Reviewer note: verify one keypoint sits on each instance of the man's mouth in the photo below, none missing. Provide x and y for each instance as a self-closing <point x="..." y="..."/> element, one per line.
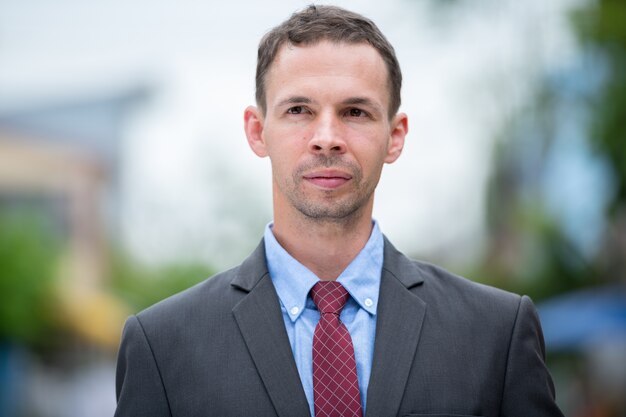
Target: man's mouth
<point x="329" y="179"/>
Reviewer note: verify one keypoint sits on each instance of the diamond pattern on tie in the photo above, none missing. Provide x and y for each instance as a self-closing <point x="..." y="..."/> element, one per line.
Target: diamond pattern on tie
<point x="335" y="384"/>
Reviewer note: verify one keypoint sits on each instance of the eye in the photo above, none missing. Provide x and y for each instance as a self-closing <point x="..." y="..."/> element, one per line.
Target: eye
<point x="354" y="112"/>
<point x="295" y="110"/>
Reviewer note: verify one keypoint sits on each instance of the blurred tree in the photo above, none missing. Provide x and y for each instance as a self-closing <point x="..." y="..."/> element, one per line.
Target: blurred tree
<point x="602" y="28"/>
<point x="557" y="199"/>
<point x="28" y="257"/>
<point x="32" y="311"/>
<point x="142" y="286"/>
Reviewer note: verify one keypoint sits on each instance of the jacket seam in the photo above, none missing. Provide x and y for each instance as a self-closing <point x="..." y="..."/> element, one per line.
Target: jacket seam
<point x="508" y="355"/>
<point x="156" y="364"/>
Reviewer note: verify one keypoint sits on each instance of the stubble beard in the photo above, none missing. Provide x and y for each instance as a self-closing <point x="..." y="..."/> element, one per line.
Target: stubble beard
<point x="330" y="207"/>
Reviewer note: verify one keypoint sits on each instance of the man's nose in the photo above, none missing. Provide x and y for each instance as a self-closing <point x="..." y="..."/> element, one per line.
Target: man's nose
<point x="328" y="136"/>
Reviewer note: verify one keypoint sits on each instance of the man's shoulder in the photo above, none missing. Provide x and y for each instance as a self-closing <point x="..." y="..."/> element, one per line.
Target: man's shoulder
<point x="442" y="279"/>
<point x="453" y="294"/>
<point x="452" y="301"/>
<point x="433" y="280"/>
<point x="214" y="296"/>
<point x="487" y="305"/>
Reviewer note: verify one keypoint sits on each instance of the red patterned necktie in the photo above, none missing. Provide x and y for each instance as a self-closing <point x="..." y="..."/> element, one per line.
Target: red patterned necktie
<point x="335" y="384"/>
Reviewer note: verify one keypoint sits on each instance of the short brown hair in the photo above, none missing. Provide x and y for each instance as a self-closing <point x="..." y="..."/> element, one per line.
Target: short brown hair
<point x="319" y="23"/>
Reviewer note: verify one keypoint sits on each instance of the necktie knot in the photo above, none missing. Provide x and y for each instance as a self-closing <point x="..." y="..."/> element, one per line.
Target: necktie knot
<point x="329" y="296"/>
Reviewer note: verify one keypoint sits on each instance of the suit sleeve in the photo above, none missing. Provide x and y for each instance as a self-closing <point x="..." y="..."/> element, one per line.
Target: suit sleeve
<point x="528" y="387"/>
<point x="139" y="386"/>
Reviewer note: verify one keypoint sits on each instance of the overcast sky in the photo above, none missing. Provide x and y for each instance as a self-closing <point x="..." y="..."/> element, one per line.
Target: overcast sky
<point x="193" y="189"/>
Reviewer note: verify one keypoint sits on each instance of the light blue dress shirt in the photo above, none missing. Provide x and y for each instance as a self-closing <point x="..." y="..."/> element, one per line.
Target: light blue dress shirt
<point x="361" y="278"/>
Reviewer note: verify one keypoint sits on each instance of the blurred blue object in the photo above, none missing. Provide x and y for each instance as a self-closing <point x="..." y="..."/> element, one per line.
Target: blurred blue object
<point x="583" y="319"/>
<point x="11" y="368"/>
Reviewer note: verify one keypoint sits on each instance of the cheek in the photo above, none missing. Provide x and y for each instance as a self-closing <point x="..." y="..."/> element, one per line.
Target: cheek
<point x="283" y="155"/>
<point x="370" y="151"/>
<point x="284" y="136"/>
<point x="287" y="145"/>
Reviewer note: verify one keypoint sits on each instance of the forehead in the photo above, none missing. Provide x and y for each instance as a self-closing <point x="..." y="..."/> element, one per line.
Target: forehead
<point x="344" y="66"/>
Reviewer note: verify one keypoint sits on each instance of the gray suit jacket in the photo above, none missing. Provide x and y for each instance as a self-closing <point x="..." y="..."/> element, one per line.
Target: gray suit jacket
<point x="444" y="347"/>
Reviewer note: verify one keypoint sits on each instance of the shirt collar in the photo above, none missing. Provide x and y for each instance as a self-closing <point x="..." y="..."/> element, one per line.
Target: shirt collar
<point x="293" y="281"/>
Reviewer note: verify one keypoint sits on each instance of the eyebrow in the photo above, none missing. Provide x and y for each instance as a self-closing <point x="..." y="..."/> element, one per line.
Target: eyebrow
<point x="362" y="101"/>
<point x="295" y="100"/>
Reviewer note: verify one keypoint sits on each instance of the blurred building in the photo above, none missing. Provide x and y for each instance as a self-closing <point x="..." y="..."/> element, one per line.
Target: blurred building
<point x="60" y="159"/>
<point x="64" y="157"/>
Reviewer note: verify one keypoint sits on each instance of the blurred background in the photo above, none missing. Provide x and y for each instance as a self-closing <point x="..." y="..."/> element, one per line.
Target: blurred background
<point x="125" y="175"/>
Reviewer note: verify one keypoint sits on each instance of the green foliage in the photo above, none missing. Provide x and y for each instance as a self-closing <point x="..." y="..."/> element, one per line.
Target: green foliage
<point x="30" y="248"/>
<point x="602" y="23"/>
<point x="601" y="27"/>
<point x="141" y="286"/>
<point x="529" y="251"/>
<point x="28" y="256"/>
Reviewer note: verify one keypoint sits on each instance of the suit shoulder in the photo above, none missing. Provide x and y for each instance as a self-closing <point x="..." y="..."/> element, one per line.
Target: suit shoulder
<point x="463" y="294"/>
<point x="434" y="281"/>
<point x="213" y="294"/>
<point x="438" y="276"/>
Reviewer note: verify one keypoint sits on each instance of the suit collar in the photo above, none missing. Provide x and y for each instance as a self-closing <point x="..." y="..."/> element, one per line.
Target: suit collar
<point x="261" y="325"/>
<point x="252" y="270"/>
<point x="400" y="317"/>
<point x="401" y="267"/>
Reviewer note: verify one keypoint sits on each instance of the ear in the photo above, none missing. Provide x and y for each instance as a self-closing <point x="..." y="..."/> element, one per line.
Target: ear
<point x="399" y="128"/>
<point x="253" y="125"/>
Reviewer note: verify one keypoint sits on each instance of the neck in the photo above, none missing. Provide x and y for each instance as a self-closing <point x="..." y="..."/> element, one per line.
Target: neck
<point x="326" y="247"/>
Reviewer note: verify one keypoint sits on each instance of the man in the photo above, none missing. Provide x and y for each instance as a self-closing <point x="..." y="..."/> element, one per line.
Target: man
<point x="326" y="318"/>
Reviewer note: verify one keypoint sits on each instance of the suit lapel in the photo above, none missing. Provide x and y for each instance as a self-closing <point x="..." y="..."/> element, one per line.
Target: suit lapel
<point x="261" y="324"/>
<point x="399" y="322"/>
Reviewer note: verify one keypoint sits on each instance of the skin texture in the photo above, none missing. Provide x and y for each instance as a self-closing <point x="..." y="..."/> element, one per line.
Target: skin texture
<point x="328" y="134"/>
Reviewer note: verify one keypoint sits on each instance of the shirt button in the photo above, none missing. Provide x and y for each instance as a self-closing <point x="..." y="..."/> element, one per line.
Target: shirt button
<point x="294" y="311"/>
<point x="368" y="302"/>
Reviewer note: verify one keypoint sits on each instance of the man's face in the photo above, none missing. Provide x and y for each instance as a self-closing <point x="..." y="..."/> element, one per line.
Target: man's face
<point x="326" y="129"/>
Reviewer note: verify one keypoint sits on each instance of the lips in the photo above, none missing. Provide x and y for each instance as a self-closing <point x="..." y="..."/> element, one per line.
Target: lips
<point x="329" y="179"/>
